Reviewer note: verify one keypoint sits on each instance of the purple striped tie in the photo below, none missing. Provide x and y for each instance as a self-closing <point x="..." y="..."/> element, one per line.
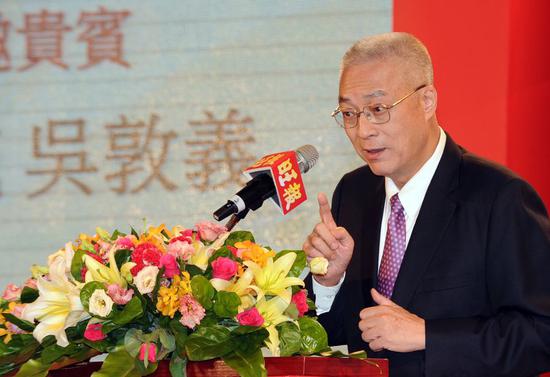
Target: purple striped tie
<point x="394" y="248"/>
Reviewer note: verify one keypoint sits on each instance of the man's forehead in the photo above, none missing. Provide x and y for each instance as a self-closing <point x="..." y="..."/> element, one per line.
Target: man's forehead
<point x="366" y="96"/>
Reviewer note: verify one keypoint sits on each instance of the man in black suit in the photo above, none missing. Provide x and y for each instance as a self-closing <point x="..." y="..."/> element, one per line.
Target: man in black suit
<point x="438" y="260"/>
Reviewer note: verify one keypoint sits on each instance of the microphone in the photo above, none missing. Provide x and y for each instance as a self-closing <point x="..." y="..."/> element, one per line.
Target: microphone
<point x="270" y="176"/>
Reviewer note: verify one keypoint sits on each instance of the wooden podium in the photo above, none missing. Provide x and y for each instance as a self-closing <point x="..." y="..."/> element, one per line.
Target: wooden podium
<point x="276" y="367"/>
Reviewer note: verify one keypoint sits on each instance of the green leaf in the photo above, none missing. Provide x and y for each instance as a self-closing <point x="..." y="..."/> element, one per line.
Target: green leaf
<point x="145" y="370"/>
<point x="167" y="342"/>
<point x="77" y="264"/>
<point x="21" y="323"/>
<point x="208" y="343"/>
<point x="180" y="333"/>
<point x="122" y="256"/>
<point x="299" y="263"/>
<point x="247" y="365"/>
<point x="87" y="292"/>
<point x="118" y="363"/>
<point x="132" y="310"/>
<point x="203" y="291"/>
<point x="249" y="342"/>
<point x="221" y="252"/>
<point x="289" y="336"/>
<point x="310" y="304"/>
<point x="241" y="330"/>
<point x="313" y="336"/>
<point x="134" y="232"/>
<point x="33" y="368"/>
<point x="20" y="349"/>
<point x="178" y="366"/>
<point x="227" y="304"/>
<point x="6" y="368"/>
<point x="28" y="295"/>
<point x="132" y="341"/>
<point x="75" y="333"/>
<point x="193" y="270"/>
<point x="239" y="236"/>
<point x="54" y="352"/>
<point x="101" y="346"/>
<point x="116" y="234"/>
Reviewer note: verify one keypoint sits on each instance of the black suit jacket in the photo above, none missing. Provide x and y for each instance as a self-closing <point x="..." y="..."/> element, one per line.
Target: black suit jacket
<point x="476" y="268"/>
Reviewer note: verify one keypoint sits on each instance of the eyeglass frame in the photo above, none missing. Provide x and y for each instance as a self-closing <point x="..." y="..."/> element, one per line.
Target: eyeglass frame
<point x="386" y="107"/>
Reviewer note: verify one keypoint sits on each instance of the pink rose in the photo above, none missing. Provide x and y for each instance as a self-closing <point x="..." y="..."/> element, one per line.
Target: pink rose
<point x="171" y="268"/>
<point x="300" y="299"/>
<point x="151" y="355"/>
<point x="119" y="295"/>
<point x="181" y="249"/>
<point x="94" y="332"/>
<point x="12" y="293"/>
<point x="250" y="317"/>
<point x="224" y="268"/>
<point x="209" y="231"/>
<point x="31" y="283"/>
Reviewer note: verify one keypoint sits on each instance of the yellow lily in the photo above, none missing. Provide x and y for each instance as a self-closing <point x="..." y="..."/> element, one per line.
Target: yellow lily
<point x="111" y="274"/>
<point x="240" y="286"/>
<point x="58" y="305"/>
<point x="273" y="279"/>
<point x="272" y="312"/>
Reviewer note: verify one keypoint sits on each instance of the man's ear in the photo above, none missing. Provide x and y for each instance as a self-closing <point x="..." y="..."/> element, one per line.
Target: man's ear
<point x="429" y="101"/>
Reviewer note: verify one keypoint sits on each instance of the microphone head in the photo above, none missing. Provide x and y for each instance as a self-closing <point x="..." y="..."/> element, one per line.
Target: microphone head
<point x="307" y="157"/>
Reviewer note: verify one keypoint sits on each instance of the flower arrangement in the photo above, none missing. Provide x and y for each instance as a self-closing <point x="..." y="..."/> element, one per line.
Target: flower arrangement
<point x="180" y="294"/>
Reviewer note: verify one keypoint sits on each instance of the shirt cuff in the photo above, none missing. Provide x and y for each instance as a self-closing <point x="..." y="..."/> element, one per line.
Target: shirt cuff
<point x="324" y="296"/>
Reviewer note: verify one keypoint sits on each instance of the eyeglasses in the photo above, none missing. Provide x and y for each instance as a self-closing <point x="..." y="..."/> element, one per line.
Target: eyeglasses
<point x="378" y="113"/>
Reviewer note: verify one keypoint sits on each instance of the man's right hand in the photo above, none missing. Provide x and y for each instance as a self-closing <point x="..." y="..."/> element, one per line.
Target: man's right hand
<point x="330" y="241"/>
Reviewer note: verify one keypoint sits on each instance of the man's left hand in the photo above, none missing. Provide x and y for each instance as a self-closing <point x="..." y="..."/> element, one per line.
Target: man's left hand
<point x="389" y="326"/>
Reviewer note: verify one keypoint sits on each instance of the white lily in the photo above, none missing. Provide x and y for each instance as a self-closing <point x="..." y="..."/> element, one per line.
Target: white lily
<point x="273" y="279"/>
<point x="67" y="254"/>
<point x="58" y="305"/>
<point x="108" y="274"/>
<point x="272" y="312"/>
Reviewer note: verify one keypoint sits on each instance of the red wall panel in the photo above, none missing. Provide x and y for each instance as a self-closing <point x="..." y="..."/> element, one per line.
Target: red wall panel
<point x="492" y="77"/>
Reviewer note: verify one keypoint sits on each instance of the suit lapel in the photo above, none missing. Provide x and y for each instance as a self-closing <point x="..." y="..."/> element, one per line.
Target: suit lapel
<point x="435" y="214"/>
<point x="371" y="240"/>
<point x="363" y="265"/>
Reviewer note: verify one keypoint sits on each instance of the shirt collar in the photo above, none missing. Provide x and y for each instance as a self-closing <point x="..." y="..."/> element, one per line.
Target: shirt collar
<point x="412" y="193"/>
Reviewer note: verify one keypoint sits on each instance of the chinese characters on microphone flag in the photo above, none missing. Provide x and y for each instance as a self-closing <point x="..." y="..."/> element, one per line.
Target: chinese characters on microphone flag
<point x="283" y="168"/>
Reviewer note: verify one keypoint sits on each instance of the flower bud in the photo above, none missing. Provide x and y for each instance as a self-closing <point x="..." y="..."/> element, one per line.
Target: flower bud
<point x="318" y="265"/>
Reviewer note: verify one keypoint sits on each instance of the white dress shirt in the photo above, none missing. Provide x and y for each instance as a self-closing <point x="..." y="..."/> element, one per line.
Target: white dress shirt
<point x="411" y="196"/>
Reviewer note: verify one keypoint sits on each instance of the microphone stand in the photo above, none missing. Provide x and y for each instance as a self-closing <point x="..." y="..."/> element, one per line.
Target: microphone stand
<point x="236" y="218"/>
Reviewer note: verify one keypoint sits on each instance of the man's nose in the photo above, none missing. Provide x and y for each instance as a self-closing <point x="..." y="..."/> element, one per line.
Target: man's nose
<point x="365" y="128"/>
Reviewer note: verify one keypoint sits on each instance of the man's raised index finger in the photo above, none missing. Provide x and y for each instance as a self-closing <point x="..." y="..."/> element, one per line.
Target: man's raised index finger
<point x="324" y="211"/>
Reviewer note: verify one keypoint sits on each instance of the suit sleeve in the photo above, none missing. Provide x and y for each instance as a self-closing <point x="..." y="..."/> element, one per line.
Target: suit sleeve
<point x="332" y="320"/>
<point x="515" y="339"/>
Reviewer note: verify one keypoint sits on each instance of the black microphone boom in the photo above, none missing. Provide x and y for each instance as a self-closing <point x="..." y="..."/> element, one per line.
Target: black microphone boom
<point x="261" y="187"/>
